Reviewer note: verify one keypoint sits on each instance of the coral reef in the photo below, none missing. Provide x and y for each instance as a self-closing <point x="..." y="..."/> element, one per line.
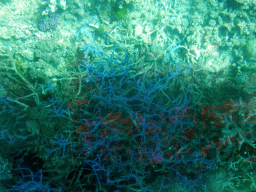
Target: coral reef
<point x="125" y="95"/>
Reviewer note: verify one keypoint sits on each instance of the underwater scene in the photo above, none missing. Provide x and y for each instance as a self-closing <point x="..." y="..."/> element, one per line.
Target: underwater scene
<point x="127" y="95"/>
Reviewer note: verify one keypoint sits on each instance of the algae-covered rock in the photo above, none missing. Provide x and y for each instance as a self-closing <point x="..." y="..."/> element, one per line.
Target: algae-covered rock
<point x="250" y="49"/>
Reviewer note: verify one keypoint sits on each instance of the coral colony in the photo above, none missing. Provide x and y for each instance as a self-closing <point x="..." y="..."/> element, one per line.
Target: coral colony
<point x="122" y="96"/>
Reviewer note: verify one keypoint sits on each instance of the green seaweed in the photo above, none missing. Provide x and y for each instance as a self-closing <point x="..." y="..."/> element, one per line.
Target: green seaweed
<point x="19" y="66"/>
<point x="121" y="13"/>
<point x="101" y="30"/>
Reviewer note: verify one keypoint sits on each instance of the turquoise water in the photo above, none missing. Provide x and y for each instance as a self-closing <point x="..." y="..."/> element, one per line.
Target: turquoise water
<point x="146" y="95"/>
